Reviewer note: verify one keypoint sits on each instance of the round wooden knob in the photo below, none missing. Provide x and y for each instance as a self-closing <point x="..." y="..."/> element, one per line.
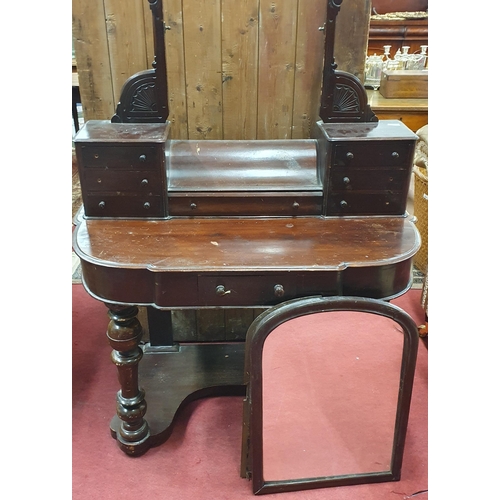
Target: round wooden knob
<point x="102" y="204"/>
<point x="279" y="291"/>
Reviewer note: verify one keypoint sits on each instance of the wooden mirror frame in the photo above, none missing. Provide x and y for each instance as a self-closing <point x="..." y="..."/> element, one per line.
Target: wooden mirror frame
<point x="252" y="440"/>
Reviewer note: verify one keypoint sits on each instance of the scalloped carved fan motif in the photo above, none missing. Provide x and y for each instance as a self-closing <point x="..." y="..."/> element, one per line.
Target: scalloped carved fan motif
<point x="144" y="99"/>
<point x="345" y="99"/>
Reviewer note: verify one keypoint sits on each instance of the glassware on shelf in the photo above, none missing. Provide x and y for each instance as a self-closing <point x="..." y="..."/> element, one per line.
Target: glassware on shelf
<point x="398" y="60"/>
<point x="405" y="57"/>
<point x="418" y="61"/>
<point x="387" y="53"/>
<point x="403" y="60"/>
<point x="373" y="71"/>
<point x="392" y="65"/>
<point x="423" y="57"/>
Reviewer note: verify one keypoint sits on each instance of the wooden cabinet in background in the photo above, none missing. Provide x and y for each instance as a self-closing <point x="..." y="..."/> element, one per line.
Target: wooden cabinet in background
<point x="397" y="33"/>
<point x="412" y="112"/>
<point x="385" y="6"/>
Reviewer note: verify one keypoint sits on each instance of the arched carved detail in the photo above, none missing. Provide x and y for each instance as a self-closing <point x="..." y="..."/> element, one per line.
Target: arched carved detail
<point x="144" y="96"/>
<point x="343" y="97"/>
<point x="140" y="101"/>
<point x="346" y="100"/>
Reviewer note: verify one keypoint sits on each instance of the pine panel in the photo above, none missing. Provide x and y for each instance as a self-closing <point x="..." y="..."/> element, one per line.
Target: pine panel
<point x="240" y="35"/>
<point x="92" y="59"/>
<point x="202" y="47"/>
<point x="148" y="33"/>
<point x="277" y="38"/>
<point x="176" y="68"/>
<point x="351" y="36"/>
<point x="126" y="40"/>
<point x="252" y="71"/>
<point x="309" y="66"/>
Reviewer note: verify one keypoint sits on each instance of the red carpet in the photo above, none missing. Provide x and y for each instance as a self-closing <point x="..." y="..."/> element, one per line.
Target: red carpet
<point x="201" y="459"/>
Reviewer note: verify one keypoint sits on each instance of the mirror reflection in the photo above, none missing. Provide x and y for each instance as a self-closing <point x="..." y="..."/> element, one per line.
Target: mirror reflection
<point x="330" y="393"/>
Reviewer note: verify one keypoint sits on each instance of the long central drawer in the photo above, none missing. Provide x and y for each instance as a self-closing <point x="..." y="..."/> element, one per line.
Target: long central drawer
<point x="253" y="204"/>
<point x="210" y="290"/>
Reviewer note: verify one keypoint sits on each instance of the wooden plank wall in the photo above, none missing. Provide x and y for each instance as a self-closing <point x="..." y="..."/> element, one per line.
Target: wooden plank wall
<point x="237" y="69"/>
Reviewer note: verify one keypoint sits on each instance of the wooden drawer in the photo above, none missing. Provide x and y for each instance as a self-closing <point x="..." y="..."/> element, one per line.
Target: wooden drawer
<point x="362" y="203"/>
<point x="245" y="290"/>
<point x="138" y="181"/>
<point x="227" y="204"/>
<point x="266" y="289"/>
<point x="122" y="156"/>
<point x="346" y="179"/>
<point x="319" y="283"/>
<point x="182" y="289"/>
<point x="106" y="205"/>
<point x="373" y="154"/>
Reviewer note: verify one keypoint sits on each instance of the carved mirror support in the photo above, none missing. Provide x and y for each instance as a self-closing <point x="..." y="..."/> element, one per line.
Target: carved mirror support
<point x="144" y="96"/>
<point x="343" y="96"/>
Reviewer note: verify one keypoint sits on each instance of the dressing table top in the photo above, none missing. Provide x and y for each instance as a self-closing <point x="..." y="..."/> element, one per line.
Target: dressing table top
<point x="246" y="244"/>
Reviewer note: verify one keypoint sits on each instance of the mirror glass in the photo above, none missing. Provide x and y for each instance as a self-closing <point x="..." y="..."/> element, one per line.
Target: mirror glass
<point x="330" y="393"/>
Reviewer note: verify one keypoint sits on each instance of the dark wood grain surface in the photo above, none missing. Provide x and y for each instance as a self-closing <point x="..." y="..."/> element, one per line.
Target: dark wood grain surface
<point x="106" y="131"/>
<point x="247" y="262"/>
<point x="252" y="244"/>
<point x="215" y="166"/>
<point x="387" y="129"/>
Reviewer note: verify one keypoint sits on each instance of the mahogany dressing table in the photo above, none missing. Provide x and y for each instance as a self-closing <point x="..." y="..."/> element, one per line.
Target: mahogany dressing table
<point x="172" y="224"/>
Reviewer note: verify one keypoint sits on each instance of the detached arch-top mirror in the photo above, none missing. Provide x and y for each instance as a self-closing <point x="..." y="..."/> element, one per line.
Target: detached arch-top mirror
<point x="329" y="382"/>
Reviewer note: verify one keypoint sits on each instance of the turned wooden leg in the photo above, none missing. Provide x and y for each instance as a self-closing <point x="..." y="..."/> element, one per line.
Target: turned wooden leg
<point x="124" y="334"/>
